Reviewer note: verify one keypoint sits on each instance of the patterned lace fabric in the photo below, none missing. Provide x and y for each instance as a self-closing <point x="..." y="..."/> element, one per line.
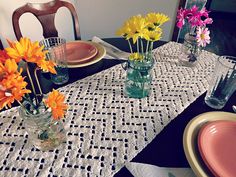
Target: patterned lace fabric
<point x="105" y="129"/>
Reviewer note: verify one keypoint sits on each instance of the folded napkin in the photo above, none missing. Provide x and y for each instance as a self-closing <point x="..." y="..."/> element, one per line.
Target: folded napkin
<point x="111" y="51"/>
<point x="144" y="170"/>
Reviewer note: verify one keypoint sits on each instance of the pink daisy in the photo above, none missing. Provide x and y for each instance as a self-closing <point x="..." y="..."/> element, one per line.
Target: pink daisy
<point x="203" y="37"/>
<point x="181" y="16"/>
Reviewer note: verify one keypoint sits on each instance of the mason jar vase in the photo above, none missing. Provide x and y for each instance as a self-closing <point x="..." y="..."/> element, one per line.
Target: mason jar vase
<point x="44" y="132"/>
<point x="139" y="78"/>
<point x="190" y="51"/>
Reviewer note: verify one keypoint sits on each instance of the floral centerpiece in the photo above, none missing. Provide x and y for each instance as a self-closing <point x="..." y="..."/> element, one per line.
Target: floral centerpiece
<point x="41" y="114"/>
<point x="141" y="32"/>
<point x="198" y="34"/>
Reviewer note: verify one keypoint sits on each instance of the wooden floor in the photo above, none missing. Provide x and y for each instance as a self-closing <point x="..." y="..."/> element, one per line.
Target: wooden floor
<point x="223" y="34"/>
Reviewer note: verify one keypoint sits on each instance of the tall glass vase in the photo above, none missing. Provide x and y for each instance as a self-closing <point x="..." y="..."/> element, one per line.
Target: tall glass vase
<point x="190" y="51"/>
<point x="139" y="78"/>
<point x="44" y="132"/>
<point x="199" y="3"/>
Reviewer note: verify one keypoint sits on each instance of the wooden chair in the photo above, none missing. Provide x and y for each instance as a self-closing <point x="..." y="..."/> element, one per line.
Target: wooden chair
<point x="45" y="13"/>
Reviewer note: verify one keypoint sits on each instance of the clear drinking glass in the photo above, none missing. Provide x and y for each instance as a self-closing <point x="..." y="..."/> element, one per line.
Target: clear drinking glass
<point x="223" y="82"/>
<point x="57" y="52"/>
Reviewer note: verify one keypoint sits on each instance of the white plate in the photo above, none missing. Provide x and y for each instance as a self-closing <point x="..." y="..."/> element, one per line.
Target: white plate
<point x="100" y="54"/>
<point x="190" y="139"/>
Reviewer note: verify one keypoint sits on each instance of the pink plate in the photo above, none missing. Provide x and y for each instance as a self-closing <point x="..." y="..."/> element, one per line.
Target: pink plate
<point x="217" y="146"/>
<point x="80" y="52"/>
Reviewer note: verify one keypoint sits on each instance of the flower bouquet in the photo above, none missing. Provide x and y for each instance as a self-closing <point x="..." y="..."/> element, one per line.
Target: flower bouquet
<point x="198" y="35"/>
<point x="142" y="32"/>
<point x="41" y="113"/>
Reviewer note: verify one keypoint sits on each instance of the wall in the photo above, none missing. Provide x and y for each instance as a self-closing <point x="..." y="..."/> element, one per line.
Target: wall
<point x="29" y="25"/>
<point x="96" y="17"/>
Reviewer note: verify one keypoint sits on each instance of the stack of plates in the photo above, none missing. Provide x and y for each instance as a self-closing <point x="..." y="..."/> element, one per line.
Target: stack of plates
<point x="83" y="53"/>
<point x="210" y="144"/>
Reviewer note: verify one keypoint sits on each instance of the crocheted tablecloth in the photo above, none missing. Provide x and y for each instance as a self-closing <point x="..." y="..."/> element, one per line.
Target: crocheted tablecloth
<point x="104" y="127"/>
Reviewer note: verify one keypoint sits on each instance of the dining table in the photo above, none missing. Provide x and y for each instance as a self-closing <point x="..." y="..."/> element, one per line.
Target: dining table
<point x="105" y="128"/>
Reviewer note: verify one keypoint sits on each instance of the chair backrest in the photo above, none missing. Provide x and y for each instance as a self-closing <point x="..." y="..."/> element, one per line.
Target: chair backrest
<point x="45" y="13"/>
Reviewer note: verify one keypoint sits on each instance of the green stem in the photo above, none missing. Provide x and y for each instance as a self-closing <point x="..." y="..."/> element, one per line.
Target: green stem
<point x="142" y="46"/>
<point x="137" y="46"/>
<point x="31" y="82"/>
<point x="27" y="99"/>
<point x="130" y="46"/>
<point x="142" y="85"/>
<point x="37" y="80"/>
<point x="23" y="107"/>
<point x="151" y="46"/>
<point x="30" y="78"/>
<point x="147" y="46"/>
<point x="149" y="53"/>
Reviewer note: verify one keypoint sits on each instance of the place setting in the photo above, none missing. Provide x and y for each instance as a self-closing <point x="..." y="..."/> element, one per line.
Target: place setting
<point x="83" y="53"/>
<point x="209" y="138"/>
<point x="209" y="144"/>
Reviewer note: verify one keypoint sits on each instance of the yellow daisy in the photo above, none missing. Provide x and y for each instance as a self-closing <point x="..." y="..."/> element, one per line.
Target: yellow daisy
<point x="136" y="56"/>
<point x="154" y="35"/>
<point x="156" y="19"/>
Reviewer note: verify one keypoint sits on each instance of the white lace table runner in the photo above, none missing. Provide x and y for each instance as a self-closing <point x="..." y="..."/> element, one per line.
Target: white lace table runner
<point x="104" y="128"/>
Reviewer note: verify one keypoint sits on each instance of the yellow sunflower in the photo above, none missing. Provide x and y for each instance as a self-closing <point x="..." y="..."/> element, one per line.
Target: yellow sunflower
<point x="156" y="19"/>
<point x="134" y="28"/>
<point x="136" y="56"/>
<point x="154" y="35"/>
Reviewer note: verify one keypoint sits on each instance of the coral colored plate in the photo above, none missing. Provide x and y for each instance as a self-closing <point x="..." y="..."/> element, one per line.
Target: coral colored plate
<point x="190" y="139"/>
<point x="217" y="146"/>
<point x="101" y="52"/>
<point x="80" y="52"/>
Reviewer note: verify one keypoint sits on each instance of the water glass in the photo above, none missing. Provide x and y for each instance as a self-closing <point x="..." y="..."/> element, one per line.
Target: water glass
<point x="223" y="82"/>
<point x="57" y="52"/>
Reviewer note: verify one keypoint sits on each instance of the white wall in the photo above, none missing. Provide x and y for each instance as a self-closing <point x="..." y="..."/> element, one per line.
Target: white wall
<point x="29" y="25"/>
<point x="96" y="17"/>
<point x="104" y="17"/>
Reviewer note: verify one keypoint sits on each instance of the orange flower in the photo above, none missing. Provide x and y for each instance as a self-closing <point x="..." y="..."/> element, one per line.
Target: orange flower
<point x="3" y="56"/>
<point x="47" y="66"/>
<point x="30" y="52"/>
<point x="55" y="102"/>
<point x="12" y="87"/>
<point x="12" y="84"/>
<point x="8" y="67"/>
<point x="15" y="51"/>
